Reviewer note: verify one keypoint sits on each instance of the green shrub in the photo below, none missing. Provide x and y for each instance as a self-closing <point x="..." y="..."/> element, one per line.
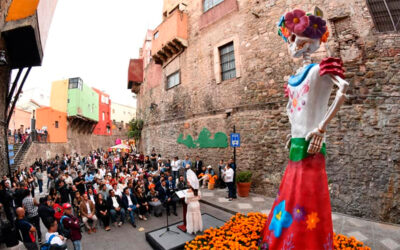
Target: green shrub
<point x="244" y="176"/>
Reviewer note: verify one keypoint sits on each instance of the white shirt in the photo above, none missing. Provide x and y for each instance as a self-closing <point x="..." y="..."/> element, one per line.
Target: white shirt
<point x="229" y="175"/>
<point x="56" y="240"/>
<point x="115" y="202"/>
<point x="175" y="165"/>
<point x="88" y="208"/>
<point x="129" y="200"/>
<point x="102" y="172"/>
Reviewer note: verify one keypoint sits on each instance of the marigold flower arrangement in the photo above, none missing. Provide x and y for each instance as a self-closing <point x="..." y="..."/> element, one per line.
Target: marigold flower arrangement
<point x="243" y="232"/>
<point x="212" y="179"/>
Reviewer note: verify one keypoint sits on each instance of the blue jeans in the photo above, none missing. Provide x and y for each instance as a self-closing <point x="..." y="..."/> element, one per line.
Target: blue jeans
<point x="132" y="213"/>
<point x="231" y="188"/>
<point x="175" y="175"/>
<point x="40" y="183"/>
<point x="77" y="245"/>
<point x="114" y="214"/>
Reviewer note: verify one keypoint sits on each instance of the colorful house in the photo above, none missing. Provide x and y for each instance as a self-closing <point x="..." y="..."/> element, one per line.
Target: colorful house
<point x="59" y="95"/>
<point x="104" y="125"/>
<point x="55" y="122"/>
<point x="83" y="101"/>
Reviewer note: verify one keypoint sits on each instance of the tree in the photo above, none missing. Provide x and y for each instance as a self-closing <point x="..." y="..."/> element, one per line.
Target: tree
<point x="135" y="129"/>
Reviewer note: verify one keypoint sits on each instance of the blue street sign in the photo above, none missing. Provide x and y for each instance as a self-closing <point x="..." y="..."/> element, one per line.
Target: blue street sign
<point x="10" y="147"/>
<point x="235" y="140"/>
<point x="11" y="153"/>
<point x="11" y="161"/>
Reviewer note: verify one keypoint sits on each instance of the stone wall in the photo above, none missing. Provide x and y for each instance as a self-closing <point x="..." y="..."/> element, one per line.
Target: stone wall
<point x="79" y="142"/>
<point x="4" y="84"/>
<point x="363" y="140"/>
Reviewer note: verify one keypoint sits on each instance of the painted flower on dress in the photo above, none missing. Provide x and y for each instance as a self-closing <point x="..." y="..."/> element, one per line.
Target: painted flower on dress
<point x="312" y="220"/>
<point x="316" y="28"/>
<point x="281" y="219"/>
<point x="296" y="21"/>
<point x="299" y="213"/>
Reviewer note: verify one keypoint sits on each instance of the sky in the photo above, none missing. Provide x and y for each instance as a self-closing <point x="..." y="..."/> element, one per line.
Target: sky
<point x="94" y="40"/>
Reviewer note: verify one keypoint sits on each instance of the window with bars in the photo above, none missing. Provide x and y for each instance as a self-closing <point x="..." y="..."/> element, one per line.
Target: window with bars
<point x="227" y="58"/>
<point x="209" y="4"/>
<point x="173" y="79"/>
<point x="385" y="14"/>
<point x="75" y="83"/>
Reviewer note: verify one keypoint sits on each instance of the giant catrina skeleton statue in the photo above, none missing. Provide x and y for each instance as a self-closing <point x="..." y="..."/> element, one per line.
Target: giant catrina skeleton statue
<point x="300" y="217"/>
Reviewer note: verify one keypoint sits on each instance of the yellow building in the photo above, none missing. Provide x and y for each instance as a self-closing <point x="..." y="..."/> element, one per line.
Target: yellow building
<point x="59" y="95"/>
<point x="122" y="113"/>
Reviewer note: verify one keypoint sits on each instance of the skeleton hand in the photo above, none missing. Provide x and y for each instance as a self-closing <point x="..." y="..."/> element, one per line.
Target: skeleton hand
<point x="288" y="141"/>
<point x="316" y="137"/>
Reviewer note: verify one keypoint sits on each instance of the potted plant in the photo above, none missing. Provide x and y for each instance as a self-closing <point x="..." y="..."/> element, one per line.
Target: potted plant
<point x="211" y="182"/>
<point x="243" y="180"/>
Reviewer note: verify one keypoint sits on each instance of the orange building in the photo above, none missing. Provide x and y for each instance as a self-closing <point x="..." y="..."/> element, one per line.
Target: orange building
<point x="55" y="121"/>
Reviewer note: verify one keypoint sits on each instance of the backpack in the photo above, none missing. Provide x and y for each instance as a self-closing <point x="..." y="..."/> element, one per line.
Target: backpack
<point x="47" y="245"/>
<point x="62" y="230"/>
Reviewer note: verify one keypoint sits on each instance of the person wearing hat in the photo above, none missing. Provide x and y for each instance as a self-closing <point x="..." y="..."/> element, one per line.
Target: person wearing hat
<point x="71" y="223"/>
<point x="194" y="221"/>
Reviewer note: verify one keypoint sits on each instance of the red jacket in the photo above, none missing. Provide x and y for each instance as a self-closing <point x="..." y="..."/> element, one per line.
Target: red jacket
<point x="72" y="223"/>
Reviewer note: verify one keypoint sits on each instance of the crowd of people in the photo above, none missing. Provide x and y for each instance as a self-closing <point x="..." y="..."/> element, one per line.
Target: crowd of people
<point x="20" y="135"/>
<point x="107" y="188"/>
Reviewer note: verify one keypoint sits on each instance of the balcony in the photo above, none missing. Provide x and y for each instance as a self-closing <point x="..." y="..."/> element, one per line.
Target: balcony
<point x="135" y="75"/>
<point x="25" y="31"/>
<point x="170" y="37"/>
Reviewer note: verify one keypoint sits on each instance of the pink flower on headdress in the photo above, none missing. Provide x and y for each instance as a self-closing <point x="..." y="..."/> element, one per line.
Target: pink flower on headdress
<point x="296" y="21"/>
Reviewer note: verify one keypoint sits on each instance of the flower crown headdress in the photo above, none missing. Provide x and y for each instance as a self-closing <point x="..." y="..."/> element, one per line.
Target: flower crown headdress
<point x="303" y="24"/>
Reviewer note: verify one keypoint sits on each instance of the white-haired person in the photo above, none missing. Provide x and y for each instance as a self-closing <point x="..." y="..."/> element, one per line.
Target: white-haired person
<point x="194" y="222"/>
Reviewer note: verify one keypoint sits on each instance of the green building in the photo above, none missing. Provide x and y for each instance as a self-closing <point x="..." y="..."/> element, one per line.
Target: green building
<point x="83" y="101"/>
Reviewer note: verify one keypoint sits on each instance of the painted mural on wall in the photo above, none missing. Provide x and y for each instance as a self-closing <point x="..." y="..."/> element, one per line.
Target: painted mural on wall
<point x="204" y="140"/>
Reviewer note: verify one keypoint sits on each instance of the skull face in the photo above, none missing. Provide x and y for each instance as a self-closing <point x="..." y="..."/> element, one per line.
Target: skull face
<point x="298" y="45"/>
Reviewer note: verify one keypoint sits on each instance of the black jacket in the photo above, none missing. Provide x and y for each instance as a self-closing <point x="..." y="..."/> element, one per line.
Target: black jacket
<point x="45" y="212"/>
<point x="110" y="203"/>
<point x="125" y="200"/>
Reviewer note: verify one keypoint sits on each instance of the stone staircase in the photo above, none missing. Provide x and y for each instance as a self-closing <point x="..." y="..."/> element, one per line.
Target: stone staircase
<point x="20" y="152"/>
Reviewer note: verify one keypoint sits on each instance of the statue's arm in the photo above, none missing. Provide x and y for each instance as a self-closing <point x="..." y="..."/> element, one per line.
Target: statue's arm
<point x="334" y="68"/>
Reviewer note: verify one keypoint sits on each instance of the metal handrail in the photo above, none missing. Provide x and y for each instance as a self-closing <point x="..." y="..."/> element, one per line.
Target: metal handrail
<point x="24" y="146"/>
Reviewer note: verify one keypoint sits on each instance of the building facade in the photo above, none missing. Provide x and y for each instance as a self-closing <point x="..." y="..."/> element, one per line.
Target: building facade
<point x="220" y="64"/>
<point x="83" y="101"/>
<point x="55" y="122"/>
<point x="104" y="125"/>
<point x="20" y="119"/>
<point x="122" y="113"/>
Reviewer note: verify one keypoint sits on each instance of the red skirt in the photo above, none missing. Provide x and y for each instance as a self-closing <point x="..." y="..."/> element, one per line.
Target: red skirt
<point x="300" y="217"/>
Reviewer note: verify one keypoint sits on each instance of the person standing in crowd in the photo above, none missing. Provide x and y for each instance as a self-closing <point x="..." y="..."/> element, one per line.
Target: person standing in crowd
<point x="221" y="169"/>
<point x="6" y="200"/>
<point x="45" y="209"/>
<point x="88" y="212"/>
<point x="79" y="182"/>
<point x="130" y="204"/>
<point x="102" y="211"/>
<point x="228" y="178"/>
<point x="198" y="165"/>
<point x="30" y="205"/>
<point x="71" y="225"/>
<point x="39" y="177"/>
<point x="53" y="239"/>
<point x="233" y="166"/>
<point x="27" y="230"/>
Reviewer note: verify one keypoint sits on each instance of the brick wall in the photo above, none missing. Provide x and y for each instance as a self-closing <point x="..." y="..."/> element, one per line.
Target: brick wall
<point x="363" y="140"/>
